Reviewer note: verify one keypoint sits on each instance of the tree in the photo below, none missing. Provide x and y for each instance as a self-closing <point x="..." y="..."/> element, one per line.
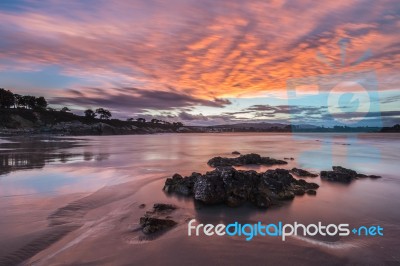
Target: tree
<point x="177" y="124"/>
<point x="141" y="120"/>
<point x="103" y="113"/>
<point x="41" y="103"/>
<point x="129" y="119"/>
<point x="19" y="100"/>
<point x="89" y="113"/>
<point x="155" y="121"/>
<point x="65" y="109"/>
<point x="30" y="101"/>
<point x="7" y="98"/>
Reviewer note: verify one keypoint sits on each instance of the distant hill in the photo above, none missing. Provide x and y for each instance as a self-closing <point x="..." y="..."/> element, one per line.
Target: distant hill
<point x="253" y="125"/>
<point x="281" y="127"/>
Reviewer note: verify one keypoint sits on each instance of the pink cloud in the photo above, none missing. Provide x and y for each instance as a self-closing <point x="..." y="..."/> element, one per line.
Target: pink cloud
<point x="210" y="49"/>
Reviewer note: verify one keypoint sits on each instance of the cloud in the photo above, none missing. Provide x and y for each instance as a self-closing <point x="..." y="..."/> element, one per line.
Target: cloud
<point x="208" y="49"/>
<point x="391" y="99"/>
<point x="185" y="54"/>
<point x="190" y="117"/>
<point x="133" y="99"/>
<point x="269" y="110"/>
<point x="283" y="114"/>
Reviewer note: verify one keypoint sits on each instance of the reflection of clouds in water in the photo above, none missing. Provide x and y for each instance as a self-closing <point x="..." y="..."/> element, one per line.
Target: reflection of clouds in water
<point x="77" y="165"/>
<point x="59" y="179"/>
<point x="25" y="154"/>
<point x="34" y="154"/>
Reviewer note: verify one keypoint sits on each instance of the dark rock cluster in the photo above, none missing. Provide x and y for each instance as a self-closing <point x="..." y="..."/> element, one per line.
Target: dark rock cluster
<point x="234" y="187"/>
<point x="344" y="175"/>
<point x="227" y="185"/>
<point x="251" y="158"/>
<point x="302" y="173"/>
<point x="153" y="221"/>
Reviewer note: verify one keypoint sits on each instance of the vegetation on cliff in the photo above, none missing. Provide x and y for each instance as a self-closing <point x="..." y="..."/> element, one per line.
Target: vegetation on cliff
<point x="32" y="115"/>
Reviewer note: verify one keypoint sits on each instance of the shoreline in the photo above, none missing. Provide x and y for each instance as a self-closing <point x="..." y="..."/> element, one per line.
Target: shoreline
<point x="18" y="133"/>
<point x="110" y="215"/>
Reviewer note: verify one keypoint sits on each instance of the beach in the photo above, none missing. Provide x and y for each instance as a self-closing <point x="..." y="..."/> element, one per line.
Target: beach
<point x="78" y="200"/>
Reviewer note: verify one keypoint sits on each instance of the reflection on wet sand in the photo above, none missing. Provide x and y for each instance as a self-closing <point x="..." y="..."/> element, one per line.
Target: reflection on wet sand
<point x="113" y="176"/>
<point x="34" y="153"/>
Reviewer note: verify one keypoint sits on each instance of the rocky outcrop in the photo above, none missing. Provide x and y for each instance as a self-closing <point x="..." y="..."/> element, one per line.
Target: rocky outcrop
<point x="79" y="128"/>
<point x="226" y="185"/>
<point x="236" y="153"/>
<point x="302" y="173"/>
<point x="251" y="158"/>
<point x="153" y="221"/>
<point x="162" y="207"/>
<point x="311" y="192"/>
<point x="344" y="175"/>
<point x="180" y="185"/>
<point x="152" y="225"/>
<point x="28" y="122"/>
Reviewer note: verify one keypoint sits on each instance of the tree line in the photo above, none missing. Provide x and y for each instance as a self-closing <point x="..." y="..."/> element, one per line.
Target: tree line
<point x="157" y="121"/>
<point x="101" y="112"/>
<point x="12" y="100"/>
<point x="9" y="100"/>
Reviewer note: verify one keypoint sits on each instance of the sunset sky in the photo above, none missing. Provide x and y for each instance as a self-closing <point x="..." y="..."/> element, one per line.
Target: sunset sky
<point x="208" y="62"/>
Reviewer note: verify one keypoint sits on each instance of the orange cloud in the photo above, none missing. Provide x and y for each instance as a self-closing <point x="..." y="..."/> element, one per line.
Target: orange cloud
<point x="210" y="49"/>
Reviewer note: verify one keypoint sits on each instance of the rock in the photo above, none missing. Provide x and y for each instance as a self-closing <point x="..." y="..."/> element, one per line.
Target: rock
<point x="153" y="221"/>
<point x="299" y="191"/>
<point x="291" y="158"/>
<point x="311" y="192"/>
<point x="278" y="179"/>
<point x="344" y="175"/>
<point x="180" y="185"/>
<point x="335" y="177"/>
<point x="209" y="188"/>
<point x="368" y="176"/>
<point x="226" y="185"/>
<point x="236" y="153"/>
<point x="152" y="225"/>
<point x="286" y="195"/>
<point x="141" y="206"/>
<point x="361" y="176"/>
<point x="251" y="158"/>
<point x="344" y="171"/>
<point x="307" y="185"/>
<point x="160" y="207"/>
<point x="374" y="176"/>
<point x="302" y="173"/>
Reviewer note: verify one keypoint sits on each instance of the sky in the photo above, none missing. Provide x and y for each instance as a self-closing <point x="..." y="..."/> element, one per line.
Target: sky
<point x="208" y="62"/>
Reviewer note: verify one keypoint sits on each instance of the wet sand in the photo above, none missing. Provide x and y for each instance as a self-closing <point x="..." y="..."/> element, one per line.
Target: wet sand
<point x="100" y="227"/>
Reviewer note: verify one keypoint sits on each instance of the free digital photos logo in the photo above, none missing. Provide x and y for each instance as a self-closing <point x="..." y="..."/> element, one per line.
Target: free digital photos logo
<point x="280" y="229"/>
